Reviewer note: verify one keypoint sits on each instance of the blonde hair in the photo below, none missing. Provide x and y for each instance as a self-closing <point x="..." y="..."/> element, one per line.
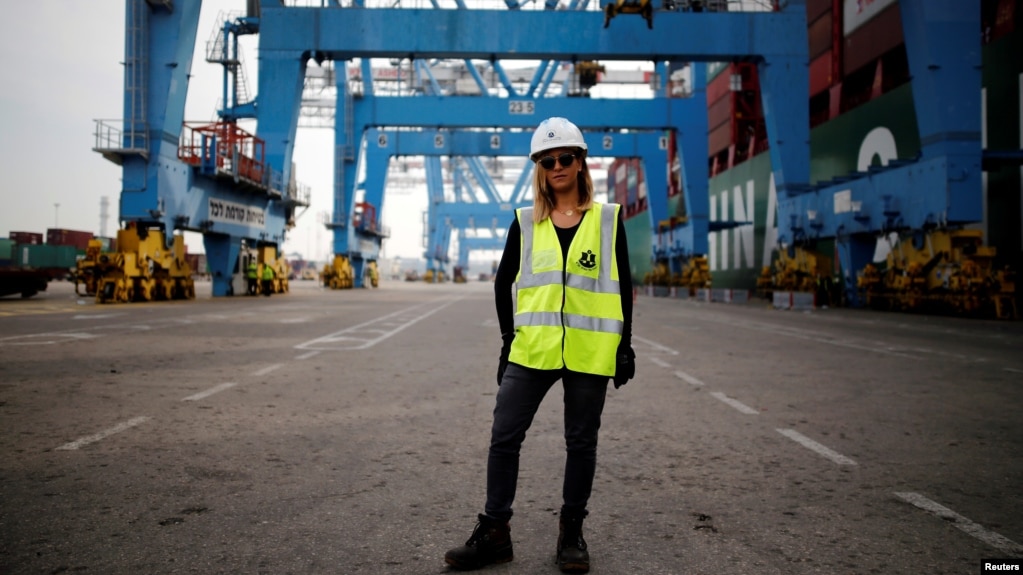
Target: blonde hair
<point x="543" y="203"/>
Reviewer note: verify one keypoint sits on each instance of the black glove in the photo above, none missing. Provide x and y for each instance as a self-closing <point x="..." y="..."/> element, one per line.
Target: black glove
<point x="506" y="338"/>
<point x="625" y="365"/>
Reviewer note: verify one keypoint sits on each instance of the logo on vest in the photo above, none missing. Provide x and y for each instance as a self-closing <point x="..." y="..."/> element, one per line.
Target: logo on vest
<point x="588" y="260"/>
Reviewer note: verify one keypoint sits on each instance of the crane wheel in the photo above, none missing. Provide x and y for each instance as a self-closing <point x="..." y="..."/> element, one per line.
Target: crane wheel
<point x="121" y="292"/>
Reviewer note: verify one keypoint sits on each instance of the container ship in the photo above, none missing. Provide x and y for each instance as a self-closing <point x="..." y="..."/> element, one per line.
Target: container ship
<point x="861" y="112"/>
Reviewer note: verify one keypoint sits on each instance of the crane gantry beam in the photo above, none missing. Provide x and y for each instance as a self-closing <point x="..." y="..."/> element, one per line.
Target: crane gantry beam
<point x="291" y="36"/>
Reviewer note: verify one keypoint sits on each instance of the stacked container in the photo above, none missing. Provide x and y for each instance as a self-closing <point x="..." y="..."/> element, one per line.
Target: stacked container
<point x="626" y="185"/>
<point x="31" y="238"/>
<point x="735" y="117"/>
<point x="61" y="237"/>
<point x="6" y="252"/>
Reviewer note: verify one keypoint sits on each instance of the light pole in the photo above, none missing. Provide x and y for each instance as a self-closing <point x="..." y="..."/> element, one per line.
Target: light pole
<point x="56" y="211"/>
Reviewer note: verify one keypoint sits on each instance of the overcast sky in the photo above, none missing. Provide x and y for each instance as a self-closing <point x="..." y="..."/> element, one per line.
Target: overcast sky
<point x="61" y="64"/>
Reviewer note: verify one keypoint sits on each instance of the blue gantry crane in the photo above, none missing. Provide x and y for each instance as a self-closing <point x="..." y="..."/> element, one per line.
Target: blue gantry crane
<point x="921" y="205"/>
<point x="291" y="36"/>
<point x="487" y="209"/>
<point x="213" y="178"/>
<point x="249" y="177"/>
<point x="239" y="188"/>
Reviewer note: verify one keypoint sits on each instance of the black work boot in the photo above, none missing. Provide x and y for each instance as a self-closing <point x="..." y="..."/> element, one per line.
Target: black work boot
<point x="572" y="554"/>
<point x="489" y="543"/>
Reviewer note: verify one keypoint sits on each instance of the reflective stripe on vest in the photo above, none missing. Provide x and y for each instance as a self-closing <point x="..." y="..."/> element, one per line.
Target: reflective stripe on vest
<point x="571" y="318"/>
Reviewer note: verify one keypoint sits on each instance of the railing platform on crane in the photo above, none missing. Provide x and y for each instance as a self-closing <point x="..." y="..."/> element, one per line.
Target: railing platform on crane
<point x="365" y="221"/>
<point x="223" y="150"/>
<point x="114" y="142"/>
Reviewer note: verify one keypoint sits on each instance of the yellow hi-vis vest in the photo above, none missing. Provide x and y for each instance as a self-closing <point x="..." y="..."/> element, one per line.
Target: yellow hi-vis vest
<point x="568" y="316"/>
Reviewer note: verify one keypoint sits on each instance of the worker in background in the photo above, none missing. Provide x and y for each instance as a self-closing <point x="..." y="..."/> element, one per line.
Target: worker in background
<point x="268" y="280"/>
<point x="568" y="259"/>
<point x="252" y="277"/>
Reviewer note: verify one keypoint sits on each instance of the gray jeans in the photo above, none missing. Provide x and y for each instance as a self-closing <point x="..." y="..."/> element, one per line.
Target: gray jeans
<point x="522" y="389"/>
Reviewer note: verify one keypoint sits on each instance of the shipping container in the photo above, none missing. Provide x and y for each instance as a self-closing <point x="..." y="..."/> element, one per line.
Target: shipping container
<point x="714" y="69"/>
<point x="45" y="256"/>
<point x="872" y="39"/>
<point x="618" y="171"/>
<point x="61" y="237"/>
<point x="720" y="112"/>
<point x="821" y="74"/>
<point x="6" y="245"/>
<point x="30" y="238"/>
<point x="999" y="18"/>
<point x="719" y="139"/>
<point x="626" y="185"/>
<point x="858" y="13"/>
<point x="819" y="33"/>
<point x="817" y="8"/>
<point x="720" y="86"/>
<point x="632" y="183"/>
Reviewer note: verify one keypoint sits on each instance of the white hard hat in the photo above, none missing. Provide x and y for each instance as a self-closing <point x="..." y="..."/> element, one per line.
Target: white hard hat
<point x="555" y="133"/>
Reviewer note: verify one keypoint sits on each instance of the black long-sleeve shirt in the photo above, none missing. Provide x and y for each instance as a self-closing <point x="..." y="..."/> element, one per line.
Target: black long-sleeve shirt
<point x="509" y="268"/>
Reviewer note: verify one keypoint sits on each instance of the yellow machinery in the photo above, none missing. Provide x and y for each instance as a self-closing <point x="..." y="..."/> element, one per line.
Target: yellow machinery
<point x="642" y="7"/>
<point x="373" y="274"/>
<point x="338" y="274"/>
<point x="946" y="271"/>
<point x="429" y="278"/>
<point x="142" y="269"/>
<point x="765" y="283"/>
<point x="588" y="75"/>
<point x="87" y="272"/>
<point x="658" y="276"/>
<point x="798" y="270"/>
<point x="458" y="275"/>
<point x="695" y="274"/>
<point x="266" y="255"/>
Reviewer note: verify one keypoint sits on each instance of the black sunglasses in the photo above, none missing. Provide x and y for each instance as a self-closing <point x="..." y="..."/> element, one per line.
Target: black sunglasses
<point x="565" y="160"/>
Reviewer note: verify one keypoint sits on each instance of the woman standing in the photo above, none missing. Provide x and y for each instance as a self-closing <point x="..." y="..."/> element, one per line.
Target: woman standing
<point x="568" y="260"/>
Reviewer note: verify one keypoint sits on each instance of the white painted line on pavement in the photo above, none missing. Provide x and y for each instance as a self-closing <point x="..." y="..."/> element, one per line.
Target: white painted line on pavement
<point x="268" y="369"/>
<point x="103" y="434"/>
<point x="54" y="338"/>
<point x="1013" y="370"/>
<point x="307" y="355"/>
<point x="963" y="524"/>
<point x="660" y="362"/>
<point x="367" y="334"/>
<point x="686" y="377"/>
<point x="655" y="345"/>
<point x="816" y="447"/>
<point x="820" y="338"/>
<point x="210" y="391"/>
<point x="76" y="334"/>
<point x="738" y="405"/>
